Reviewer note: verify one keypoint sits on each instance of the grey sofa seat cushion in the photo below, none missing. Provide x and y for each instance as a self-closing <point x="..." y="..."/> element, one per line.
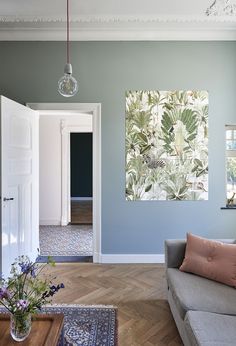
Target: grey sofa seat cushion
<point x="209" y="329"/>
<point x="192" y="292"/>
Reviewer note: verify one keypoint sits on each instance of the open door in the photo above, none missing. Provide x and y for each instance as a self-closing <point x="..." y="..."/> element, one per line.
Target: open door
<point x="19" y="182"/>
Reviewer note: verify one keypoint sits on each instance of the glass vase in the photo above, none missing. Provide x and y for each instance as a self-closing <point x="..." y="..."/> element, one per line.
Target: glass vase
<point x="20" y="326"/>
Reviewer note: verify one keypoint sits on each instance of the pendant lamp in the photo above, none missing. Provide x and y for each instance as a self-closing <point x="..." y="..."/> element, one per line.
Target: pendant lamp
<point x="67" y="84"/>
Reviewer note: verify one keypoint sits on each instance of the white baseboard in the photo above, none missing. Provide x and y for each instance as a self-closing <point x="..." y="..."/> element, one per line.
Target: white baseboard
<point x="96" y="257"/>
<point x="81" y="198"/>
<point x="132" y="258"/>
<point x="49" y="222"/>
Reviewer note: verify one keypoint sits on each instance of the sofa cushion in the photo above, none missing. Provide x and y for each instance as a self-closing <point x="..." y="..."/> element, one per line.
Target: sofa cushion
<point x="209" y="329"/>
<point x="211" y="259"/>
<point x="192" y="292"/>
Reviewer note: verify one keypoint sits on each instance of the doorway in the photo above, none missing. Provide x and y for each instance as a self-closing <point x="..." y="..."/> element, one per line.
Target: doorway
<point x="81" y="172"/>
<point x="68" y="126"/>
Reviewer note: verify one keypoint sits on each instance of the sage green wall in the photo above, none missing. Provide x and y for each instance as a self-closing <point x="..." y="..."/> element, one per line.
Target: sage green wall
<point x="29" y="72"/>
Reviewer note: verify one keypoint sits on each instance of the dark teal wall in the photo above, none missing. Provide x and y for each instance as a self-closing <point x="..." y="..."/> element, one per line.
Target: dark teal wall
<point x="29" y="72"/>
<point x="81" y="164"/>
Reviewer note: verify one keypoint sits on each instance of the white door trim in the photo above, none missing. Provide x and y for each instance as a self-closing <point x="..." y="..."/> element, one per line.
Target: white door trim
<point x="95" y="110"/>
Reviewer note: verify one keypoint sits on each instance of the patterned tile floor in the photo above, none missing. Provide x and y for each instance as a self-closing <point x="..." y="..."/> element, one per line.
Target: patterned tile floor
<point x="71" y="240"/>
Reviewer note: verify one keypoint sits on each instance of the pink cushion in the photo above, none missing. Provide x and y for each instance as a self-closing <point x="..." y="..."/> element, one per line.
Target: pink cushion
<point x="211" y="259"/>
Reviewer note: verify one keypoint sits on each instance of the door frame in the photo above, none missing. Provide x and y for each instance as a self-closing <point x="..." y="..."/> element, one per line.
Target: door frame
<point x="72" y="109"/>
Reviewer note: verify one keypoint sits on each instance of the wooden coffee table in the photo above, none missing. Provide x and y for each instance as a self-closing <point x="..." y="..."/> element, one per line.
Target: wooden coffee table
<point x="47" y="330"/>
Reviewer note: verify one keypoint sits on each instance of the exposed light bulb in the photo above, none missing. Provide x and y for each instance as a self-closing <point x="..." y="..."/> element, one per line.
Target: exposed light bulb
<point x="67" y="84"/>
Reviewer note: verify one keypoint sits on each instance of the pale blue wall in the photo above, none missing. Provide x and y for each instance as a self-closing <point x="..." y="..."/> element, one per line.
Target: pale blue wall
<point x="29" y="73"/>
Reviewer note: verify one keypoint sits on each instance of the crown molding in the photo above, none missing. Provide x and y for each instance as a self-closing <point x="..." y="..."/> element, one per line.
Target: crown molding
<point x="121" y="19"/>
<point x="119" y="28"/>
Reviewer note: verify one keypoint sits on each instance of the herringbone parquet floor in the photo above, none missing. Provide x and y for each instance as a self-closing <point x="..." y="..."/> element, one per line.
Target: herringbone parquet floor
<point x="137" y="290"/>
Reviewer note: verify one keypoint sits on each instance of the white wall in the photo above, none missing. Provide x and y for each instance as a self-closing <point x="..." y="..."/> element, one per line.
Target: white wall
<point x="50" y="163"/>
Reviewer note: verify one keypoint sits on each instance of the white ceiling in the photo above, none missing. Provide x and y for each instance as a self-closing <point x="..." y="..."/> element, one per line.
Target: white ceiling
<point x="47" y="8"/>
<point x="113" y="20"/>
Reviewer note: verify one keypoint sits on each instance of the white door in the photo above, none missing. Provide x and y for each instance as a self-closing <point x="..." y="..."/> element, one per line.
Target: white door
<point x="19" y="182"/>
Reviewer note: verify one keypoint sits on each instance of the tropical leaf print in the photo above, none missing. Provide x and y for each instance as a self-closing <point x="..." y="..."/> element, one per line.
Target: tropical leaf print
<point x="166" y="145"/>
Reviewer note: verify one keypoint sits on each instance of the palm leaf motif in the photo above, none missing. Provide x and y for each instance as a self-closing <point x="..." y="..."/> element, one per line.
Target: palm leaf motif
<point x="141" y="120"/>
<point x="176" y="188"/>
<point x="174" y="137"/>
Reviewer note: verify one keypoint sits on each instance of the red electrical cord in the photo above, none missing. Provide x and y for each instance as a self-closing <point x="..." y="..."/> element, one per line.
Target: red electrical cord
<point x="68" y="34"/>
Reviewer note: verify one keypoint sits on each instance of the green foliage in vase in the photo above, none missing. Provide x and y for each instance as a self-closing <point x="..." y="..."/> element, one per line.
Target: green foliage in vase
<point x="28" y="288"/>
<point x="166" y="145"/>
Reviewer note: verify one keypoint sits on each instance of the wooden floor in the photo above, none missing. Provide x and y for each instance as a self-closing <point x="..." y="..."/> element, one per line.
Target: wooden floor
<point x="81" y="212"/>
<point x="137" y="290"/>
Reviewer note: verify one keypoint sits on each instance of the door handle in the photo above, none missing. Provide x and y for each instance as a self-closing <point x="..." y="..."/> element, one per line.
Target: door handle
<point x="8" y="199"/>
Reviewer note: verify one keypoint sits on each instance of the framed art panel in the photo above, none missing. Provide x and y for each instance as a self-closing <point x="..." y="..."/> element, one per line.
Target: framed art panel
<point x="167" y="145"/>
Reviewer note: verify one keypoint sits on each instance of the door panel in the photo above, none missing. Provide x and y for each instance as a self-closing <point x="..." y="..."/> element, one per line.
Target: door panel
<point x="20" y="132"/>
<point x="19" y="182"/>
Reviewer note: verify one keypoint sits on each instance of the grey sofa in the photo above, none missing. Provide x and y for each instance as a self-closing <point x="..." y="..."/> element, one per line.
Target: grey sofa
<point x="204" y="310"/>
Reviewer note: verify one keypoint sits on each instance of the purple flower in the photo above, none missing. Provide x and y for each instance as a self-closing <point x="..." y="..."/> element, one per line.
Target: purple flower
<point x="28" y="267"/>
<point x="52" y="291"/>
<point x="53" y="288"/>
<point x="4" y="293"/>
<point x="22" y="304"/>
<point x="25" y="267"/>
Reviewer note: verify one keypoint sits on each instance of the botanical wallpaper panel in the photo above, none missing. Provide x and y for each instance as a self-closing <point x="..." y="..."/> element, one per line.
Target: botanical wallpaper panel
<point x="166" y="145"/>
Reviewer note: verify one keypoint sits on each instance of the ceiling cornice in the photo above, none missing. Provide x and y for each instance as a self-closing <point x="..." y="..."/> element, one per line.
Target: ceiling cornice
<point x="123" y="18"/>
<point x="88" y="28"/>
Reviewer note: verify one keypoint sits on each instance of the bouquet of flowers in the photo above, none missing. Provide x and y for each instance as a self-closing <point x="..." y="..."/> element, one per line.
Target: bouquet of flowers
<point x="25" y="292"/>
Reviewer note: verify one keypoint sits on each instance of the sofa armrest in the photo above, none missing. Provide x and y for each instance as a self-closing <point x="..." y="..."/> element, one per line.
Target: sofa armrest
<point x="174" y="252"/>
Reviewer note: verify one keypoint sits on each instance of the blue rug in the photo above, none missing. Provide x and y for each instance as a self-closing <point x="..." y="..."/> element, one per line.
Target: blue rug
<point x="86" y="325"/>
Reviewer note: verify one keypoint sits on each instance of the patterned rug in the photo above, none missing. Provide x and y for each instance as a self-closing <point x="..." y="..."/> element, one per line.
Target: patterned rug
<point x="87" y="325"/>
<point x="72" y="240"/>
